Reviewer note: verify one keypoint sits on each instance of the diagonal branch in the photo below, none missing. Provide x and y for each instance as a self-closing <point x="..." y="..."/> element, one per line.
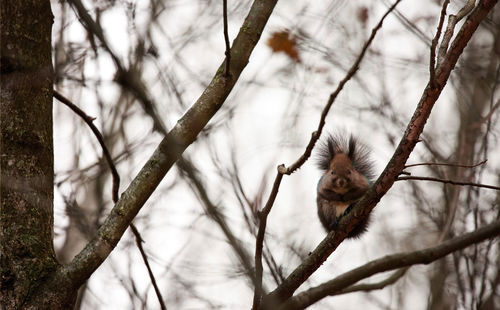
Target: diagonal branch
<point x="432" y="62"/>
<point x="227" y="72"/>
<point x="302" y="159"/>
<point x="170" y="148"/>
<point x="450" y="28"/>
<point x="90" y="122"/>
<point x="128" y="78"/>
<point x="391" y="262"/>
<point x="352" y="71"/>
<point x="393" y="169"/>
<point x="138" y="242"/>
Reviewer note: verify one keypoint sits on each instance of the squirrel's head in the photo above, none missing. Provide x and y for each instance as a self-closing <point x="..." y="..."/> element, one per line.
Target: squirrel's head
<point x="336" y="146"/>
<point x="339" y="173"/>
<point x="341" y="155"/>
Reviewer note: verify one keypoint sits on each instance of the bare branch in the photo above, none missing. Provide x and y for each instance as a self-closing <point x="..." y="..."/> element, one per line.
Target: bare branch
<point x="89" y="121"/>
<point x="352" y="71"/>
<point x="302" y="159"/>
<point x="116" y="184"/>
<point x="489" y="115"/>
<point x="391" y="262"/>
<point x="260" y="237"/>
<point x="170" y="149"/>
<point x="217" y="216"/>
<point x="450" y="28"/>
<point x="227" y="72"/>
<point x="447" y="164"/>
<point x="415" y="127"/>
<point x="447" y="182"/>
<point x="393" y="278"/>
<point x="138" y="241"/>
<point x="129" y="78"/>
<point x="432" y="63"/>
<point x="94" y="29"/>
<point x="409" y="25"/>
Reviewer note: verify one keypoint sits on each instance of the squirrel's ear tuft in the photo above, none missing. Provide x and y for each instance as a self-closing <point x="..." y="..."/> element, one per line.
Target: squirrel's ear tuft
<point x="326" y="151"/>
<point x="352" y="147"/>
<point x="357" y="152"/>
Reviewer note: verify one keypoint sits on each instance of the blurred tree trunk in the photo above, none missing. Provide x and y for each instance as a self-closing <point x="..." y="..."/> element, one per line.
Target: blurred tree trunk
<point x="84" y="220"/>
<point x="26" y="221"/>
<point x="440" y="298"/>
<point x="475" y="84"/>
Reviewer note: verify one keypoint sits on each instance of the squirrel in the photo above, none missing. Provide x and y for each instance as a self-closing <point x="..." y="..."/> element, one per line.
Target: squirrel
<point x="347" y="175"/>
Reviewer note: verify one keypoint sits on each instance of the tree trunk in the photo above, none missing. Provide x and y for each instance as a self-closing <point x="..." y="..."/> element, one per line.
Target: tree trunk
<point x="26" y="179"/>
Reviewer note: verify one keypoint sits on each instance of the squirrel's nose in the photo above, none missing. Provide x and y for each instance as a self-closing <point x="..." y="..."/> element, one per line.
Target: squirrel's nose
<point x="341" y="182"/>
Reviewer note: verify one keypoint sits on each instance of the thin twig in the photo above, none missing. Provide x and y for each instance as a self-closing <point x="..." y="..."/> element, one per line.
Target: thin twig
<point x="116" y="183"/>
<point x="447" y="164"/>
<point x="490" y="113"/>
<point x="259" y="243"/>
<point x="128" y="78"/>
<point x="302" y="159"/>
<point x="366" y="287"/>
<point x="212" y="211"/>
<point x="447" y="182"/>
<point x="352" y="71"/>
<point x="409" y="25"/>
<point x="432" y="63"/>
<point x="95" y="29"/>
<point x="227" y="73"/>
<point x="89" y="121"/>
<point x="450" y="28"/>
<point x="138" y="242"/>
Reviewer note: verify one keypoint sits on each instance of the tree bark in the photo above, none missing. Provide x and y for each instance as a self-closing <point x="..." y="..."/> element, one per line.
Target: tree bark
<point x="26" y="171"/>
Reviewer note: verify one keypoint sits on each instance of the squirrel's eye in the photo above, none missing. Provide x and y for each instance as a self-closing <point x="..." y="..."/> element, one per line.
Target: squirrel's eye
<point x="332" y="172"/>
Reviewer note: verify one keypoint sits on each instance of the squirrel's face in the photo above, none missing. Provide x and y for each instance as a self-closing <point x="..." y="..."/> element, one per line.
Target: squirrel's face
<point x="339" y="183"/>
<point x="339" y="176"/>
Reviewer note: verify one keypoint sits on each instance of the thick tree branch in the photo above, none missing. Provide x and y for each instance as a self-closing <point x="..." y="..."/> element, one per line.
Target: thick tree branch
<point x="391" y="262"/>
<point x="393" y="168"/>
<point x="170" y="148"/>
